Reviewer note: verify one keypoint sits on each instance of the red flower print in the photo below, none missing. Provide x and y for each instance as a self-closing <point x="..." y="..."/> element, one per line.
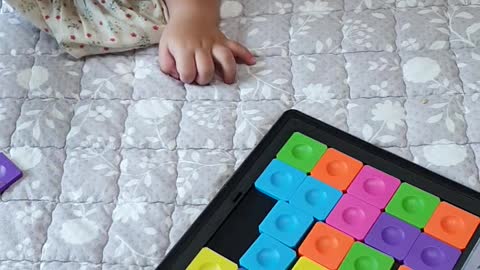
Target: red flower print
<point x="82" y="46"/>
<point x="112" y="39"/>
<point x="133" y="35"/>
<point x="47" y="17"/>
<point x="106" y="49"/>
<point x="129" y="16"/>
<point x="46" y="30"/>
<point x="89" y="35"/>
<point x="155" y="27"/>
<point x="58" y="17"/>
<point x="72" y="37"/>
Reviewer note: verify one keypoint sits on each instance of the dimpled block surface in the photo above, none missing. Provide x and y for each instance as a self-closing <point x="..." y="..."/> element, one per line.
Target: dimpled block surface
<point x="431" y="254"/>
<point x="412" y="205"/>
<point x="392" y="236"/>
<point x="452" y="225"/>
<point x="362" y="257"/>
<point x="315" y="198"/>
<point x="279" y="180"/>
<point x="326" y="245"/>
<point x="286" y="224"/>
<point x="267" y="253"/>
<point x="374" y="186"/>
<point x="301" y="152"/>
<point x="336" y="169"/>
<point x="209" y="259"/>
<point x="353" y="216"/>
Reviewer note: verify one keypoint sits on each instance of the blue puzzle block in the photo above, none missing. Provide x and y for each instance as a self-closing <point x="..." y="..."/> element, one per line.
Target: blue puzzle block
<point x="279" y="180"/>
<point x="267" y="253"/>
<point x="315" y="198"/>
<point x="286" y="224"/>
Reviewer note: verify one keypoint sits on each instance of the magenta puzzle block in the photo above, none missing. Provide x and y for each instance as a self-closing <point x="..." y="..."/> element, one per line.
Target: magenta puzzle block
<point x="430" y="254"/>
<point x="374" y="186"/>
<point x="392" y="236"/>
<point x="9" y="173"/>
<point x="353" y="216"/>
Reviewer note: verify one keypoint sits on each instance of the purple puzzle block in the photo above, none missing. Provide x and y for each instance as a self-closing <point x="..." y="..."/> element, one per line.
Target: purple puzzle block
<point x="392" y="236"/>
<point x="9" y="173"/>
<point x="430" y="254"/>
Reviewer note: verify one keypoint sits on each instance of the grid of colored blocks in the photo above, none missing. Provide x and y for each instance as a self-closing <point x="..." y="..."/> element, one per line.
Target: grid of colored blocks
<point x="374" y="187"/>
<point x="315" y="198"/>
<point x="307" y="264"/>
<point x="452" y="225"/>
<point x="430" y="254"/>
<point x="301" y="152"/>
<point x="9" y="173"/>
<point x="413" y="205"/>
<point x="209" y="259"/>
<point x="326" y="245"/>
<point x="279" y="180"/>
<point x="364" y="218"/>
<point x="286" y="224"/>
<point x="267" y="253"/>
<point x="392" y="236"/>
<point x="362" y="257"/>
<point x="336" y="169"/>
<point x="353" y="216"/>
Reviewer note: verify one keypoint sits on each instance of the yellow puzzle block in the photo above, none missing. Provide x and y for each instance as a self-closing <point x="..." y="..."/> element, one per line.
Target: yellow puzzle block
<point x="306" y="264"/>
<point x="209" y="259"/>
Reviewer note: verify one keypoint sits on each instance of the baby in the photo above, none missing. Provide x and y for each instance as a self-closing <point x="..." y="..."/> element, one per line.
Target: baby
<point x="191" y="46"/>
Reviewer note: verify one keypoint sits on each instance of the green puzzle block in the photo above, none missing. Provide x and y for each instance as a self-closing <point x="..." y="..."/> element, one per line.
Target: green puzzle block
<point x="301" y="152"/>
<point x="413" y="205"/>
<point x="362" y="257"/>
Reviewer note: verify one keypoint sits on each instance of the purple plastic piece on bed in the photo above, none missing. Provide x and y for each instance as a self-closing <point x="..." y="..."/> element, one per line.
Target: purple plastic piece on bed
<point x="9" y="173"/>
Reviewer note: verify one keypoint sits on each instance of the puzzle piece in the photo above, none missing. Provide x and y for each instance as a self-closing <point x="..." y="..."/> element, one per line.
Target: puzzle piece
<point x="9" y="173"/>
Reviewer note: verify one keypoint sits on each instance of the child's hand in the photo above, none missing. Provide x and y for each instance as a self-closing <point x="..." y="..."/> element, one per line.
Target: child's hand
<point x="192" y="46"/>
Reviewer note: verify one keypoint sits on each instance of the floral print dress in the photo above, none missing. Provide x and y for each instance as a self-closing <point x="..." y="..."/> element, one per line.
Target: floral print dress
<point x="87" y="27"/>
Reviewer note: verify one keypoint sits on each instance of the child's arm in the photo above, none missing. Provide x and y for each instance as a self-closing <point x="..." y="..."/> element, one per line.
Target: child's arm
<point x="192" y="44"/>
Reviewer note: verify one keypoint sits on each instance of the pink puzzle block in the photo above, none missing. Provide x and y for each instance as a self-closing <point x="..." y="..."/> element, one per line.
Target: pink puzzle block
<point x="353" y="216"/>
<point x="374" y="186"/>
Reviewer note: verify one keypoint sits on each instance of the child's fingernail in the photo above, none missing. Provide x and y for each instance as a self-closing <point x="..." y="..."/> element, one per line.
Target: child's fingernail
<point x="175" y="75"/>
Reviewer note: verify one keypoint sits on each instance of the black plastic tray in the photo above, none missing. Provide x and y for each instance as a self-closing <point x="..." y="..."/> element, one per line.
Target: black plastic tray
<point x="229" y="224"/>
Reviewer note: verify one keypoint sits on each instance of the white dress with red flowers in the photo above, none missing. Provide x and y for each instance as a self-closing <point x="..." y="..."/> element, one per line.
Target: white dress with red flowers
<point x="87" y="27"/>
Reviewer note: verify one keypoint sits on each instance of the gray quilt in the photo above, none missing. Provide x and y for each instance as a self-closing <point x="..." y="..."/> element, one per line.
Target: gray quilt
<point x="119" y="159"/>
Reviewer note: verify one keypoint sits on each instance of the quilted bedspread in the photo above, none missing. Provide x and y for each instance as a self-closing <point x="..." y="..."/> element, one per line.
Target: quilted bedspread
<point x="119" y="159"/>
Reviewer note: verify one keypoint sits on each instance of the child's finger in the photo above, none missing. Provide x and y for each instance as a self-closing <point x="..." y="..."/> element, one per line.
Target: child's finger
<point x="205" y="67"/>
<point x="241" y="52"/>
<point x="185" y="65"/>
<point x="226" y="60"/>
<point x="166" y="61"/>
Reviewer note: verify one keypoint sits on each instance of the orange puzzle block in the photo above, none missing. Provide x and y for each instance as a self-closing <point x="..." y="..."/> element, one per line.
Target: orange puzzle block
<point x="336" y="169"/>
<point x="452" y="225"/>
<point x="326" y="246"/>
<point x="403" y="267"/>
